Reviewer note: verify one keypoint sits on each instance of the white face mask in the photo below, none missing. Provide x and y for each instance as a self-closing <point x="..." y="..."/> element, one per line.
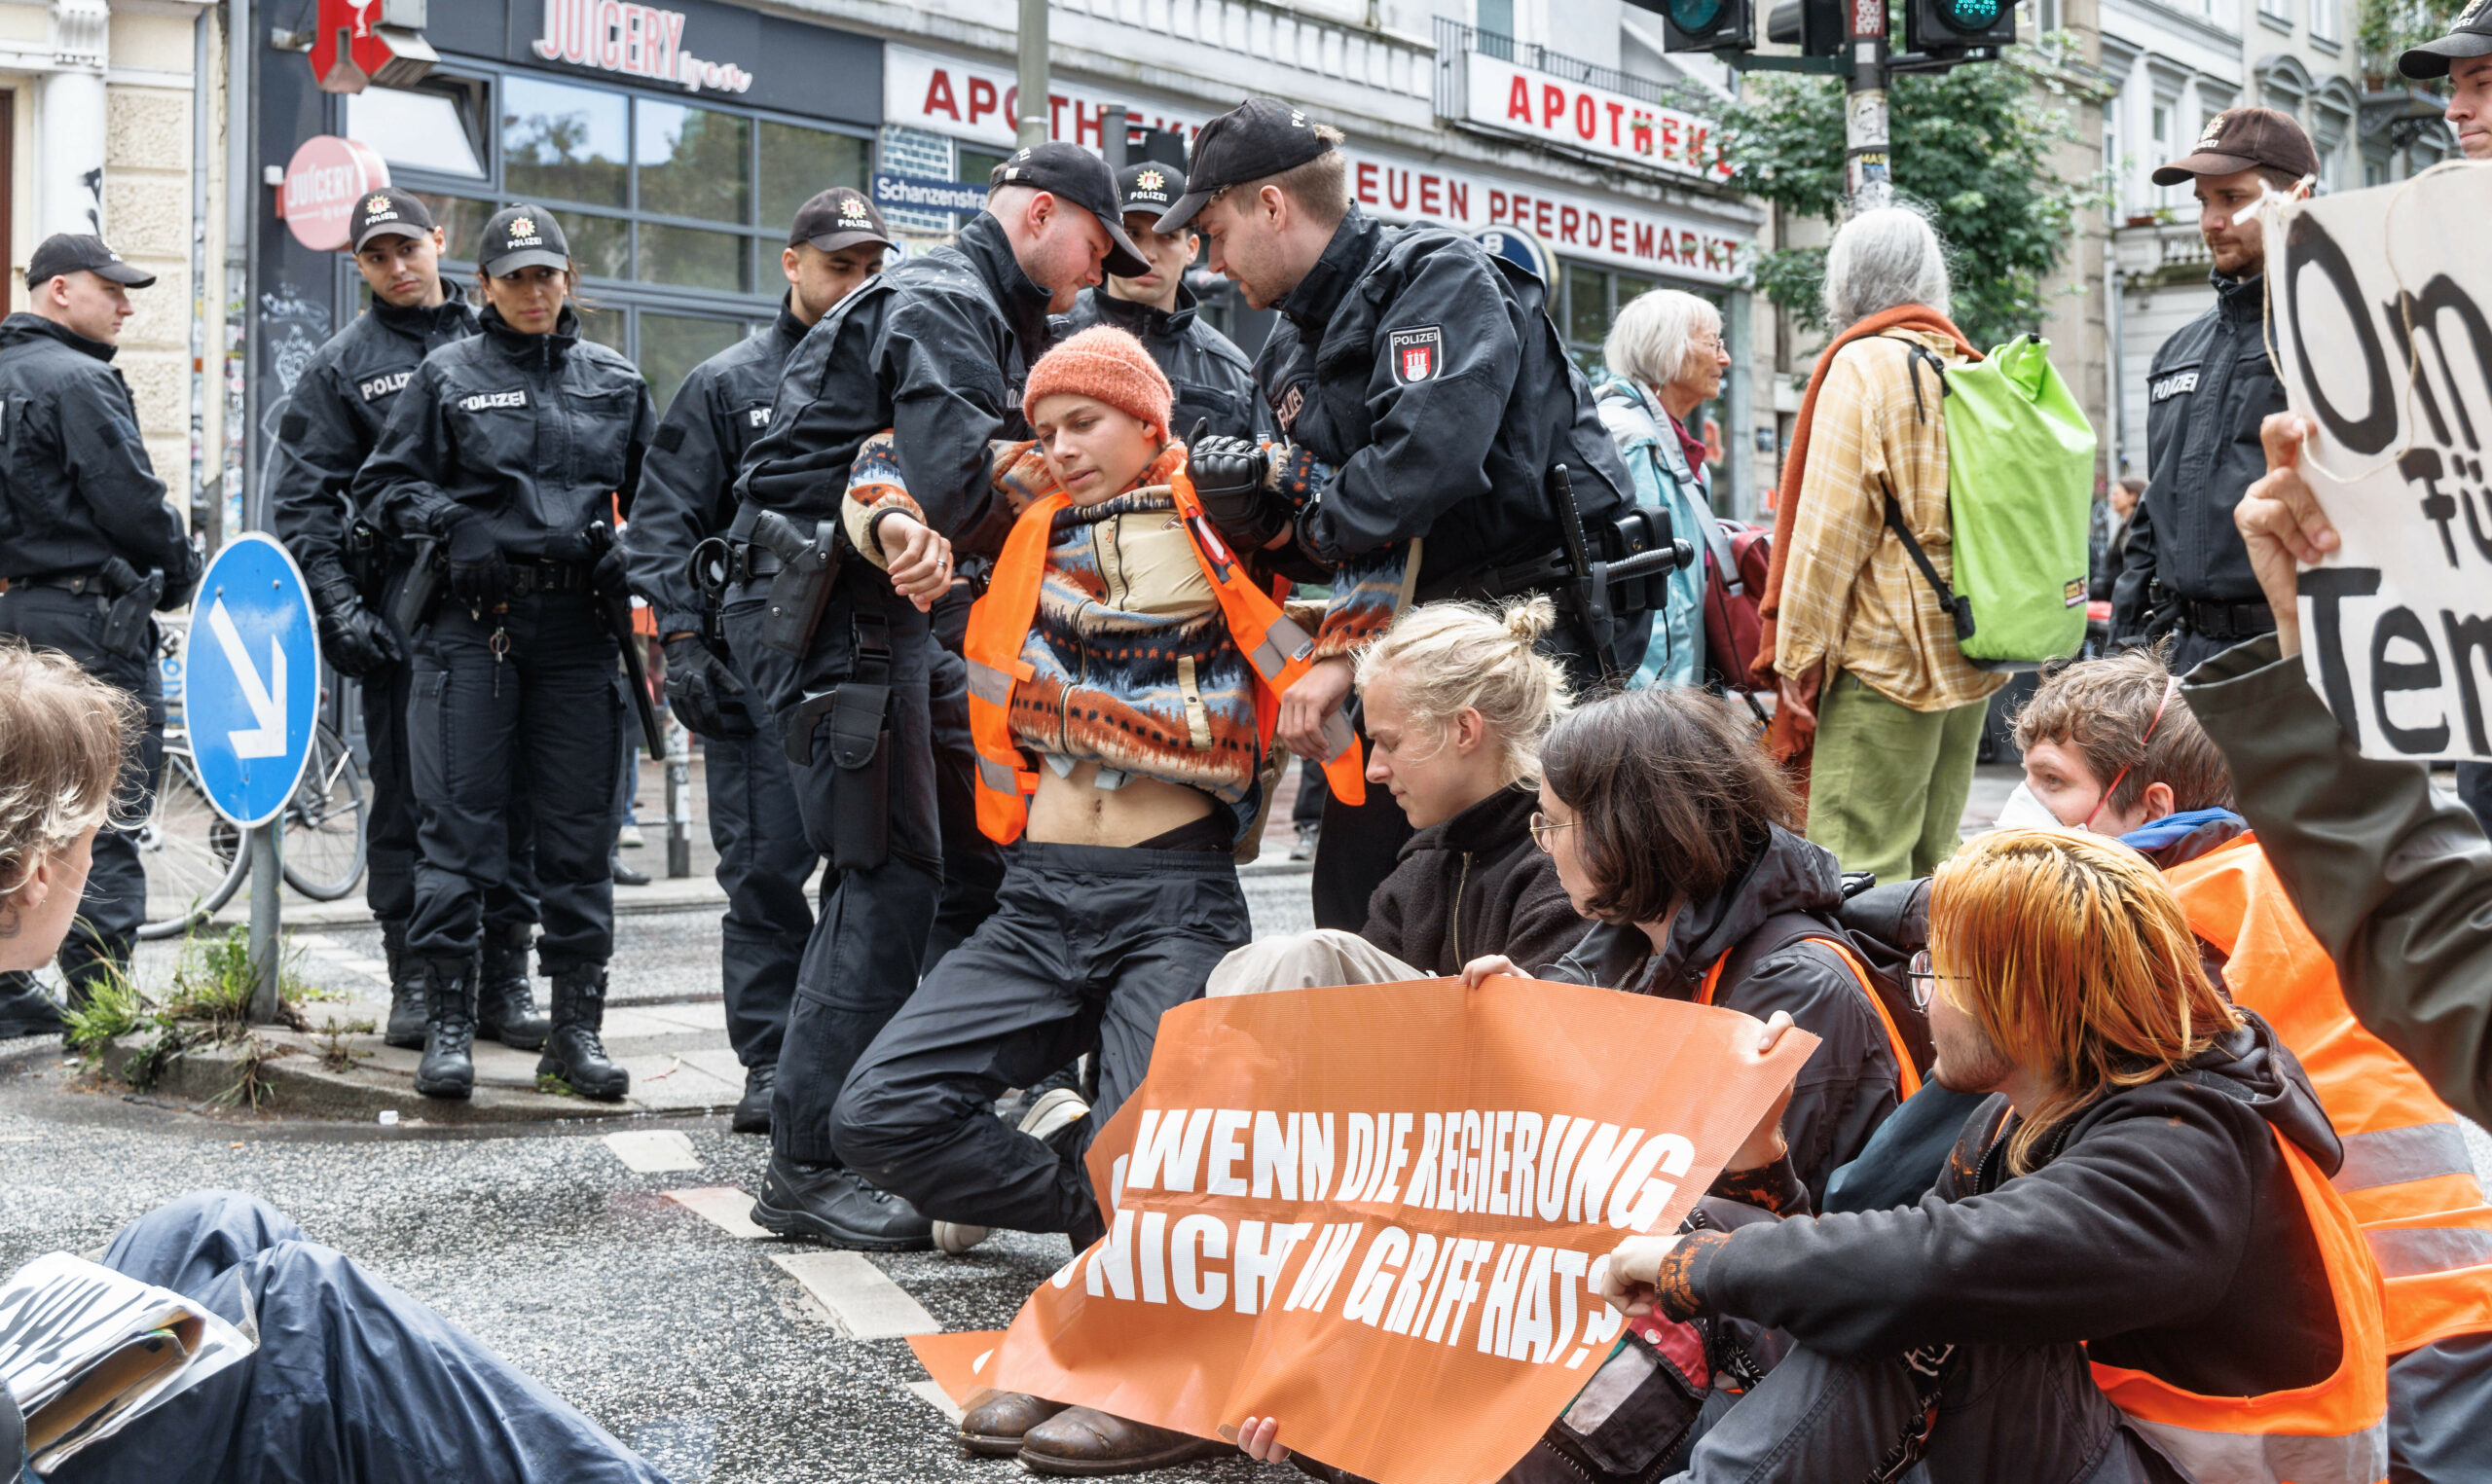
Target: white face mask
<point x="2023" y="810"/>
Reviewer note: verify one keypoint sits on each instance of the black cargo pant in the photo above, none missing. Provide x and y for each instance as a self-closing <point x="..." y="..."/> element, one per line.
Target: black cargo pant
<point x="390" y="818"/>
<point x="764" y="862"/>
<point x="973" y="864"/>
<point x="868" y="945"/>
<point x="541" y="722"/>
<point x="1088" y="946"/>
<point x="115" y="901"/>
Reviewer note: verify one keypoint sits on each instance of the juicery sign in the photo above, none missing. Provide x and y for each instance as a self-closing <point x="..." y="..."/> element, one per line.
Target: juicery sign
<point x="634" y="40"/>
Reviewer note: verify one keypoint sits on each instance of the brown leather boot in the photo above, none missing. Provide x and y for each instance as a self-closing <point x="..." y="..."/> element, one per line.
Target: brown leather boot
<point x="1085" y="1443"/>
<point x="995" y="1427"/>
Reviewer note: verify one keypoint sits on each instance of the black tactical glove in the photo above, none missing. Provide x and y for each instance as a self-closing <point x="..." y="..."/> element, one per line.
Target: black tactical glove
<point x="352" y="638"/>
<point x="479" y="576"/>
<point x="703" y="691"/>
<point x="612" y="577"/>
<point x="1231" y="478"/>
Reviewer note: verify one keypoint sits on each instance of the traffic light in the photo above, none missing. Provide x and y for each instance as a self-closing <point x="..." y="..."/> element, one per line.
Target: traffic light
<point x="1704" y="25"/>
<point x="1818" y="28"/>
<point x="1951" y="27"/>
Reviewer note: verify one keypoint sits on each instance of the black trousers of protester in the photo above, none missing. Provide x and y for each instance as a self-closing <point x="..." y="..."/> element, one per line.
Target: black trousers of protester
<point x="764" y="862"/>
<point x="115" y="901"/>
<point x="542" y="723"/>
<point x="389" y="817"/>
<point x="973" y="864"/>
<point x="1088" y="944"/>
<point x="868" y="945"/>
<point x="352" y="1380"/>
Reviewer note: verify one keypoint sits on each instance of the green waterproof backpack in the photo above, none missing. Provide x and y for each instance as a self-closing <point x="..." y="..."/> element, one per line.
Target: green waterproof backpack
<point x="2020" y="500"/>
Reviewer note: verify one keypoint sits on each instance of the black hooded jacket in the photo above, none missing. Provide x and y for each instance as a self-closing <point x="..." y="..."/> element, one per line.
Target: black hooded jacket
<point x="1213" y="381"/>
<point x="1472" y="886"/>
<point x="76" y="487"/>
<point x="937" y="350"/>
<point x="332" y="421"/>
<point x="2161" y="1228"/>
<point x="1849" y="1085"/>
<point x="533" y="432"/>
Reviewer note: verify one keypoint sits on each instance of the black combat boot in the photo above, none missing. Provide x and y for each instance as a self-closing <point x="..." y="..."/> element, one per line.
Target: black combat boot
<point x="574" y="1053"/>
<point x="406" y="1027"/>
<point x="449" y="1067"/>
<point x="505" y="1003"/>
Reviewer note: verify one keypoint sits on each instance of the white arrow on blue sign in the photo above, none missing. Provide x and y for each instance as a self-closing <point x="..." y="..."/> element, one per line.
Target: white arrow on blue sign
<point x="251" y="685"/>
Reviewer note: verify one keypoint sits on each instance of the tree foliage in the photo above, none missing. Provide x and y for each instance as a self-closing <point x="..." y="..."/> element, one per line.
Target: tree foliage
<point x="2390" y="26"/>
<point x="1973" y="146"/>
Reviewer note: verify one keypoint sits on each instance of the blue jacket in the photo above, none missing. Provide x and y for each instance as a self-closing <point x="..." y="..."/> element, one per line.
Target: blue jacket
<point x="1659" y="467"/>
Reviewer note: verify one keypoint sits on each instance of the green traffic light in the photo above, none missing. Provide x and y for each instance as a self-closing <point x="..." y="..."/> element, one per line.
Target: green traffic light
<point x="1971" y="14"/>
<point x="1697" y="17"/>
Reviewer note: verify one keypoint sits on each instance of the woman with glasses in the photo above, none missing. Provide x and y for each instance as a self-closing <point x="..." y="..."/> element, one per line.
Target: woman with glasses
<point x="1666" y="359"/>
<point x="1671" y="827"/>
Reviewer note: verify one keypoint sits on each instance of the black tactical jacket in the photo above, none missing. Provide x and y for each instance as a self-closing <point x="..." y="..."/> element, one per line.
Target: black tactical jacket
<point x="688" y="485"/>
<point x="533" y="431"/>
<point x="936" y="348"/>
<point x="1427" y="374"/>
<point x="334" y="418"/>
<point x="2210" y="386"/>
<point x="1214" y="381"/>
<point x="76" y="487"/>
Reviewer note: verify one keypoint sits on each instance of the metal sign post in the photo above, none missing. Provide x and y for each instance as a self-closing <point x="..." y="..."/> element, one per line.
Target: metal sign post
<point x="251" y="696"/>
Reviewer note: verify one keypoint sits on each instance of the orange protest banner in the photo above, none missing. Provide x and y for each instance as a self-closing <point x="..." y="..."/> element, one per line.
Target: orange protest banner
<point x="1380" y="1213"/>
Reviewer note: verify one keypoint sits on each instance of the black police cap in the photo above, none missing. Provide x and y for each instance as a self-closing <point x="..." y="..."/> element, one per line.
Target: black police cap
<point x="1259" y="137"/>
<point x="387" y="213"/>
<point x="839" y="218"/>
<point x="2469" y="35"/>
<point x="66" y="252"/>
<point x="1074" y="174"/>
<point x="522" y="236"/>
<point x="1150" y="187"/>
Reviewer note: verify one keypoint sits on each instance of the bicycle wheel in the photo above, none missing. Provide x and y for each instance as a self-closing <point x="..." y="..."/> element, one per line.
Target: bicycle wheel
<point x="323" y="844"/>
<point x="194" y="858"/>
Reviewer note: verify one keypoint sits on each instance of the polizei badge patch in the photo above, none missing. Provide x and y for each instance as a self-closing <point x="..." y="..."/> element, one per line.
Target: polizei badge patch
<point x="1416" y="353"/>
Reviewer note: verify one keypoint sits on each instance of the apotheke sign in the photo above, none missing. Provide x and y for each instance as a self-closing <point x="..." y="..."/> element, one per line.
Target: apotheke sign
<point x="634" y="40"/>
<point x="1500" y="96"/>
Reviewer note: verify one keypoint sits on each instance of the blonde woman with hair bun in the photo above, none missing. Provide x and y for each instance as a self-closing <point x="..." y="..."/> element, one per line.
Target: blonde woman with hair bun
<point x="1457" y="697"/>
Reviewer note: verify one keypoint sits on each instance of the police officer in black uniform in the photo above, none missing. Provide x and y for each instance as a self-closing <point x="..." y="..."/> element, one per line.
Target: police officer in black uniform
<point x="937" y="350"/>
<point x="1424" y="396"/>
<point x="687" y="494"/>
<point x="1214" y="381"/>
<point x="2184" y="572"/>
<point x="508" y="453"/>
<point x="90" y="549"/>
<point x="333" y="419"/>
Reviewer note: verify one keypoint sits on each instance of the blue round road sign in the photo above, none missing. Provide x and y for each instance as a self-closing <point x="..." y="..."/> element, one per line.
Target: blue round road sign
<point x="1516" y="246"/>
<point x="251" y="682"/>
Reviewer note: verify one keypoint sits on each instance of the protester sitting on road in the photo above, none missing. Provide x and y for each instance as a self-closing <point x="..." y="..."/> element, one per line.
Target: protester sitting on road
<point x="353" y="1380"/>
<point x="1669" y="825"/>
<point x="1666" y="359"/>
<point x="1456" y="699"/>
<point x="1134" y="798"/>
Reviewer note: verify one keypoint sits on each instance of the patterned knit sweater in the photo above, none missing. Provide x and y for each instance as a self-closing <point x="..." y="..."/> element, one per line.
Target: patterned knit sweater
<point x="1134" y="665"/>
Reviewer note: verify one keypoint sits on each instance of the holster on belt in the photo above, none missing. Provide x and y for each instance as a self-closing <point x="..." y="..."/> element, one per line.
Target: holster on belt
<point x="126" y="617"/>
<point x="808" y="565"/>
<point x="861" y="748"/>
<point x="421" y="593"/>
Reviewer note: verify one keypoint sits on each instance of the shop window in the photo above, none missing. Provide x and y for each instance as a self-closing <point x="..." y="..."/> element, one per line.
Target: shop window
<point x="606" y="325"/>
<point x="601" y="245"/>
<point x="671" y="344"/>
<point x="796" y="164"/>
<point x="418" y="128"/>
<point x="462" y="220"/>
<point x="694" y="162"/>
<point x="695" y="259"/>
<point x="562" y="143"/>
<point x="1587" y="318"/>
<point x="978" y="167"/>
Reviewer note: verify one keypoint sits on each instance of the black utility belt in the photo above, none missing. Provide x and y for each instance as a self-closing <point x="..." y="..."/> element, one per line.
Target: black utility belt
<point x="80" y="583"/>
<point x="528" y="578"/>
<point x="2226" y="623"/>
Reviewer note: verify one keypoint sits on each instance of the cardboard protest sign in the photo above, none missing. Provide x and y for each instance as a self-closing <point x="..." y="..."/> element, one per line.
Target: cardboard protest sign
<point x="1380" y="1213"/>
<point x="2383" y="336"/>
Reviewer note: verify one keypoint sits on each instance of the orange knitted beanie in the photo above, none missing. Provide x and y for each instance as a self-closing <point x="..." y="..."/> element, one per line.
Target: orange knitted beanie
<point x="1104" y="363"/>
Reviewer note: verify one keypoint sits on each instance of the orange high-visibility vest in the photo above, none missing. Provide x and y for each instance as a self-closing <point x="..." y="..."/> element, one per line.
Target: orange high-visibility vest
<point x="1276" y="649"/>
<point x="1908" y="1077"/>
<point x="2408" y="1177"/>
<point x="2332" y="1432"/>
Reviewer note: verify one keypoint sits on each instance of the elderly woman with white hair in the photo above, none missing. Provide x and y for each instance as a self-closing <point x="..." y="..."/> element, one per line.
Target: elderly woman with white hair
<point x="1865" y="659"/>
<point x="1666" y="359"/>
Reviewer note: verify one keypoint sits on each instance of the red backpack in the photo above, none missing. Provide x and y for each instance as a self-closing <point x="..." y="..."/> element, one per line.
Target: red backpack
<point x="1735" y="559"/>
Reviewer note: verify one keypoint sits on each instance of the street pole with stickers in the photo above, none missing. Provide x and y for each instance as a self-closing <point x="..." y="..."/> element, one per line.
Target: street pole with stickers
<point x="1031" y="128"/>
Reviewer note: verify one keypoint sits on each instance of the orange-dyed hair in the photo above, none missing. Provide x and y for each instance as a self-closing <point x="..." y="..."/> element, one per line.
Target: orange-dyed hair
<point x="2073" y="956"/>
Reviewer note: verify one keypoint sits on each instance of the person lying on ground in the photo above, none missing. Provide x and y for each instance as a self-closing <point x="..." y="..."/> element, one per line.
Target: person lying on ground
<point x="2393" y="877"/>
<point x="1125" y="728"/>
<point x="1457" y="699"/>
<point x="352" y="1382"/>
<point x="2132" y="1268"/>
<point x="1671" y="828"/>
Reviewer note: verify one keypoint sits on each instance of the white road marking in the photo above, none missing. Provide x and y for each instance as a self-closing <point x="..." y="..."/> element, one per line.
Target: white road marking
<point x="933" y="1396"/>
<point x="725" y="1206"/>
<point x="868" y="1305"/>
<point x="649" y="1151"/>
